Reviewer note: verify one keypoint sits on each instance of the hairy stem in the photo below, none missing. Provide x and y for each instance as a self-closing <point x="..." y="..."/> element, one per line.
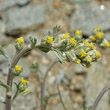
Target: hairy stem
<point x="10" y="76"/>
<point x="103" y="91"/>
<point x="43" y="83"/>
<point x="61" y="100"/>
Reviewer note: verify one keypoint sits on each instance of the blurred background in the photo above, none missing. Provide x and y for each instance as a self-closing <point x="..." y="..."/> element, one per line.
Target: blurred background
<point x="79" y="86"/>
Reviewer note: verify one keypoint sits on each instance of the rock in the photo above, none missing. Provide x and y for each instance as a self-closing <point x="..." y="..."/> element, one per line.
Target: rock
<point x="79" y="70"/>
<point x="10" y="50"/>
<point x="26" y="67"/>
<point x="63" y="77"/>
<point x="3" y="40"/>
<point x="89" y="15"/>
<point x="107" y="35"/>
<point x="97" y="77"/>
<point x="2" y="91"/>
<point x="5" y="4"/>
<point x="18" y="19"/>
<point x="74" y="1"/>
<point x="2" y="27"/>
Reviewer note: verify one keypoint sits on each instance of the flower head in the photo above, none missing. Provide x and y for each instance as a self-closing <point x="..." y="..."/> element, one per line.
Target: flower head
<point x="20" y="40"/>
<point x="89" y="59"/>
<point x="91" y="45"/>
<point x="93" y="38"/>
<point x="72" y="41"/>
<point x="107" y="44"/>
<point x="83" y="54"/>
<point x="78" y="32"/>
<point x="23" y="81"/>
<point x="18" y="68"/>
<point x="78" y="61"/>
<point x="99" y="28"/>
<point x="99" y="35"/>
<point x="66" y="35"/>
<point x="49" y="39"/>
<point x="97" y="54"/>
<point x="86" y="42"/>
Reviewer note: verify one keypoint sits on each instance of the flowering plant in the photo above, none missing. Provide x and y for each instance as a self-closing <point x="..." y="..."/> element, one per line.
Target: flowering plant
<point x="68" y="47"/>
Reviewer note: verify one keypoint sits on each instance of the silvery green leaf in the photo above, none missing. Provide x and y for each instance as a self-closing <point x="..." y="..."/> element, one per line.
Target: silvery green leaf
<point x="56" y="29"/>
<point x="35" y="67"/>
<point x="2" y="99"/>
<point x="61" y="56"/>
<point x="5" y="86"/>
<point x="33" y="42"/>
<point x="70" y="56"/>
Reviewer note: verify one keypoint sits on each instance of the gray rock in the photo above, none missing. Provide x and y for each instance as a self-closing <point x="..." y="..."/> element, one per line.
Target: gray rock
<point x="96" y="79"/>
<point x="18" y="19"/>
<point x="74" y="1"/>
<point x="26" y="68"/>
<point x="107" y="35"/>
<point x="2" y="91"/>
<point x="5" y="4"/>
<point x="10" y="50"/>
<point x="79" y="69"/>
<point x="89" y="15"/>
<point x="3" y="39"/>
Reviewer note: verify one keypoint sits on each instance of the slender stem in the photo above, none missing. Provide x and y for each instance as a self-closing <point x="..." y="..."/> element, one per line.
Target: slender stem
<point x="10" y="76"/>
<point x="43" y="83"/>
<point x="103" y="91"/>
<point x="61" y="100"/>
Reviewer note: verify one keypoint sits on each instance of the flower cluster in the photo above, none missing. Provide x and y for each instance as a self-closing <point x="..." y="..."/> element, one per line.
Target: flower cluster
<point x="22" y="87"/>
<point x="73" y="47"/>
<point x="98" y="37"/>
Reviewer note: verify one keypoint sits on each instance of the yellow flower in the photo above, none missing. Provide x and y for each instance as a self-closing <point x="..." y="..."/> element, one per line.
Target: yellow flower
<point x="107" y="44"/>
<point x="49" y="39"/>
<point x="78" y="32"/>
<point x="78" y="61"/>
<point x="89" y="59"/>
<point x="23" y="81"/>
<point x="93" y="38"/>
<point x="18" y="68"/>
<point x="86" y="42"/>
<point x="66" y="35"/>
<point x="100" y="35"/>
<point x="72" y="41"/>
<point x="83" y="54"/>
<point x="99" y="28"/>
<point x="91" y="45"/>
<point x="97" y="54"/>
<point x="20" y="40"/>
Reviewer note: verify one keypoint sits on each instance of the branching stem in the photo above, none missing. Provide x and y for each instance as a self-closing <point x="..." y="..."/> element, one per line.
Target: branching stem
<point x="43" y="83"/>
<point x="15" y="60"/>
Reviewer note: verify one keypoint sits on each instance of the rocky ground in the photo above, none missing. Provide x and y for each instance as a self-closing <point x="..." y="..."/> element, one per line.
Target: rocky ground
<point x="79" y="86"/>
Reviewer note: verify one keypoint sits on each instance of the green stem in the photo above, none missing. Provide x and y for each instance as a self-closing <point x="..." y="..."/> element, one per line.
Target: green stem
<point x="61" y="100"/>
